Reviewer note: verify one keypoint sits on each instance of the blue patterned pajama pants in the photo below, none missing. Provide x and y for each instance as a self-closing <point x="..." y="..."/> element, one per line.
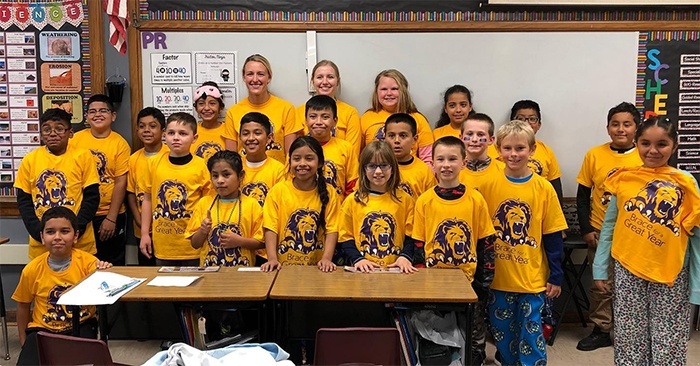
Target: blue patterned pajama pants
<point x="516" y="324"/>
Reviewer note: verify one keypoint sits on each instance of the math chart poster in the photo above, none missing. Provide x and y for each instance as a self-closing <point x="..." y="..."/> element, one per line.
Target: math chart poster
<point x="669" y="86"/>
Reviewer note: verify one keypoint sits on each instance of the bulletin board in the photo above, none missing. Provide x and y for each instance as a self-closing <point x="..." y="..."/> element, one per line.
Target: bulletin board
<point x="45" y="62"/>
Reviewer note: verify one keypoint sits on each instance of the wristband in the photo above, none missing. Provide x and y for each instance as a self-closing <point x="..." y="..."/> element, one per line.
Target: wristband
<point x="112" y="221"/>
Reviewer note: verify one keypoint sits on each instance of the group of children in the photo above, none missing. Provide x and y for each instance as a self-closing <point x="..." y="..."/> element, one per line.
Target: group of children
<point x="376" y="191"/>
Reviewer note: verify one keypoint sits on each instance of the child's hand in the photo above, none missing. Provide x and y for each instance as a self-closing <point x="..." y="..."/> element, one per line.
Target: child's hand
<point x="103" y="265"/>
<point x="404" y="264"/>
<point x="552" y="291"/>
<point x="205" y="228"/>
<point x="366" y="266"/>
<point x="326" y="265"/>
<point x="271" y="265"/>
<point x="591" y="239"/>
<point x="229" y="240"/>
<point x="146" y="246"/>
<point x="600" y="284"/>
<point x="106" y="230"/>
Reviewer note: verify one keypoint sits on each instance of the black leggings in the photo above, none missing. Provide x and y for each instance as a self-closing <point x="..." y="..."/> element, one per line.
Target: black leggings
<point x="29" y="355"/>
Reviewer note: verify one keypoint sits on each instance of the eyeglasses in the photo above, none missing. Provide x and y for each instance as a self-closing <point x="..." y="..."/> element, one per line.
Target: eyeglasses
<point x="373" y="167"/>
<point x="92" y="112"/>
<point x="58" y="130"/>
<point x="528" y="119"/>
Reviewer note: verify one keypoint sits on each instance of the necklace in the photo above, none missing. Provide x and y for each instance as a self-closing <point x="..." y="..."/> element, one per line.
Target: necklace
<point x="237" y="202"/>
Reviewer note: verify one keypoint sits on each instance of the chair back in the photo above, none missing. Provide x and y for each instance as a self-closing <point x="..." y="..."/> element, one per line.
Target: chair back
<point x="358" y="346"/>
<point x="57" y="349"/>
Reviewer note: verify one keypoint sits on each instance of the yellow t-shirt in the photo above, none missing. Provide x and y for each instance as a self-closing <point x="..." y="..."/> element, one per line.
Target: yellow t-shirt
<point x="293" y="214"/>
<point x="58" y="181"/>
<point x="341" y="164"/>
<point x="175" y="191"/>
<point x="372" y="127"/>
<point x="599" y="163"/>
<point x="43" y="286"/>
<point x="657" y="209"/>
<point x="522" y="213"/>
<point x="258" y="181"/>
<point x="244" y="217"/>
<point x="446" y="130"/>
<point x="111" y="155"/>
<point x="542" y="162"/>
<point x="379" y="226"/>
<point x="280" y="112"/>
<point x="450" y="229"/>
<point x="138" y="162"/>
<point x="209" y="141"/>
<point x="416" y="177"/>
<point x="347" y="128"/>
<point x="474" y="179"/>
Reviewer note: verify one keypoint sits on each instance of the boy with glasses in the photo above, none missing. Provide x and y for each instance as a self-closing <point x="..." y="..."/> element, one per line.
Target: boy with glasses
<point x="111" y="154"/>
<point x="57" y="174"/>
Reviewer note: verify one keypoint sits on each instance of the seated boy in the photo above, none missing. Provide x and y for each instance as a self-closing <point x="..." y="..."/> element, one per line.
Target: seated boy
<point x="477" y="135"/>
<point x="416" y="176"/>
<point x="46" y="278"/>
<point x="453" y="222"/>
<point x="57" y="174"/>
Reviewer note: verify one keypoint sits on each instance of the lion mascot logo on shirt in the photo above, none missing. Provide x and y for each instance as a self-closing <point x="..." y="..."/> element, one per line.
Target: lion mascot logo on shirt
<point x="51" y="185"/>
<point x="273" y="145"/>
<point x="218" y="256"/>
<point x="58" y="313"/>
<point x="452" y="244"/>
<point x="300" y="232"/>
<point x="535" y="166"/>
<point x="101" y="161"/>
<point x="380" y="135"/>
<point x="257" y="190"/>
<point x="330" y="173"/>
<point x="607" y="196"/>
<point x="207" y="149"/>
<point x="172" y="199"/>
<point x="406" y="188"/>
<point x="658" y="201"/>
<point x="512" y="223"/>
<point x="377" y="235"/>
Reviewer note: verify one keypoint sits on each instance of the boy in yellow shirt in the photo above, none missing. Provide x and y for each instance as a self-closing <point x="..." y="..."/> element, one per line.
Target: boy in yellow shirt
<point x="453" y="222"/>
<point x="111" y="154"/>
<point x="46" y="278"/>
<point x="416" y="176"/>
<point x="174" y="183"/>
<point x="57" y="174"/>
<point x="477" y="135"/>
<point x="529" y="248"/>
<point x="150" y="124"/>
<point x="340" y="167"/>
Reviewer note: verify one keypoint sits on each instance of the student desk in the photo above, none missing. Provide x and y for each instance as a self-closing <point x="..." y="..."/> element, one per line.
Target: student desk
<point x="427" y="286"/>
<point x="226" y="285"/>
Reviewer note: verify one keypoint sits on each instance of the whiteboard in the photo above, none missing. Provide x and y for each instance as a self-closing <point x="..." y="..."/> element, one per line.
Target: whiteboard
<point x="574" y="76"/>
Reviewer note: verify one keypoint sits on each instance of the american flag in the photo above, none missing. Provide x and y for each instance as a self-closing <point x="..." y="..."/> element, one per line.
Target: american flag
<point x="118" y="21"/>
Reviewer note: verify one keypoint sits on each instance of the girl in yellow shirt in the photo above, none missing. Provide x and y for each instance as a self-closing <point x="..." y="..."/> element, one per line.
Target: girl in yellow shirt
<point x="458" y="106"/>
<point x="653" y="211"/>
<point x="208" y="102"/>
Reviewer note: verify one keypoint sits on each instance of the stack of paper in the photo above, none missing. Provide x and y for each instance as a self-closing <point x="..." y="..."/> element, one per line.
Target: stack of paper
<point x="100" y="288"/>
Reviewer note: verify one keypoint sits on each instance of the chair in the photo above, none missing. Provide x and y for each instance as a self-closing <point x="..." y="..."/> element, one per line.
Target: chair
<point x="57" y="349"/>
<point x="364" y="346"/>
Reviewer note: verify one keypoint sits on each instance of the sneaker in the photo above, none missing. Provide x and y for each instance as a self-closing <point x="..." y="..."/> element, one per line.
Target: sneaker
<point x="595" y="340"/>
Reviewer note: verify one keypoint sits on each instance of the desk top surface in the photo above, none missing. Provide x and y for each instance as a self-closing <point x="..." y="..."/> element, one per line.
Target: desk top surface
<point x="228" y="284"/>
<point x="427" y="285"/>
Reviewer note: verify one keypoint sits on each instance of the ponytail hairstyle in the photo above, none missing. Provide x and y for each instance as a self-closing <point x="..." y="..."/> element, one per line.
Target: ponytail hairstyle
<point x="382" y="152"/>
<point x="656" y="121"/>
<point x="315" y="146"/>
<point x="444" y="118"/>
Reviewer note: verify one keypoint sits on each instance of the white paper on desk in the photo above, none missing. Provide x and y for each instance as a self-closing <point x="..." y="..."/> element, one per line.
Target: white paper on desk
<point x="172" y="281"/>
<point x="91" y="292"/>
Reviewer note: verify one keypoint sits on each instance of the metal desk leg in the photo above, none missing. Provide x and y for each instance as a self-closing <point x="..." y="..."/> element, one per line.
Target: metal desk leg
<point x="468" y="336"/>
<point x="75" y="310"/>
<point x="103" y="322"/>
<point x="3" y="318"/>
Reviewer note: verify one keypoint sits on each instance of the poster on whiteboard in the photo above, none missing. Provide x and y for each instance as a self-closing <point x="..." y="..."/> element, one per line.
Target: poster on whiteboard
<point x="171" y="68"/>
<point x="215" y="66"/>
<point x="172" y="99"/>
